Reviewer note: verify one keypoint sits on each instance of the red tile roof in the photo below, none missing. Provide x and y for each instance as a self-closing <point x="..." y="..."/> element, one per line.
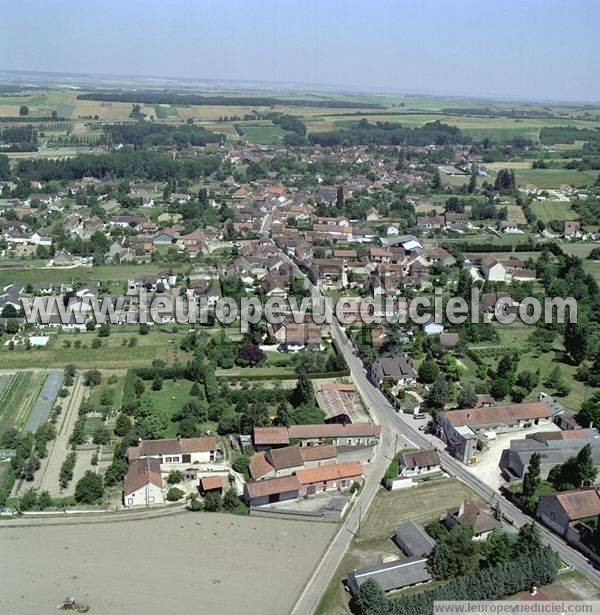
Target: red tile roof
<point x="259" y="466"/>
<point x="271" y="435"/>
<point x="211" y="482"/>
<point x="350" y="469"/>
<point x="140" y="474"/>
<point x="497" y="414"/>
<point x="334" y="430"/>
<point x="271" y="486"/>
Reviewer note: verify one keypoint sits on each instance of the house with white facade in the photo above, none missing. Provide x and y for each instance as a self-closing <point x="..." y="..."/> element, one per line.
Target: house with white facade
<point x="176" y="450"/>
<point x="142" y="485"/>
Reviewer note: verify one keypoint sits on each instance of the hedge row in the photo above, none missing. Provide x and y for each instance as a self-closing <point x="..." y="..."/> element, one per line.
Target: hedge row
<point x="290" y="376"/>
<point x="494" y="583"/>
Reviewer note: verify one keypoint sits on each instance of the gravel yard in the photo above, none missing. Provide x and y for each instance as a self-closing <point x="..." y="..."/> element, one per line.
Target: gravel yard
<point x="200" y="562"/>
<point x="487" y="467"/>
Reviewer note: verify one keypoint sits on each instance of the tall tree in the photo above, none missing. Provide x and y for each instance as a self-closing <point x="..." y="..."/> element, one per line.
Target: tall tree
<point x="467" y="396"/>
<point x="339" y="199"/>
<point x="528" y="540"/>
<point x="371" y="599"/>
<point x="472" y="183"/>
<point x="440" y="392"/>
<point x="531" y="478"/>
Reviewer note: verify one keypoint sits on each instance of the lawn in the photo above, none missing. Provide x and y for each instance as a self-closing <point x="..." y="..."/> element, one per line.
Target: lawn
<point x="117" y="386"/>
<point x="514" y="337"/>
<point x="171" y="398"/>
<point x="593" y="267"/>
<point x="120" y="273"/>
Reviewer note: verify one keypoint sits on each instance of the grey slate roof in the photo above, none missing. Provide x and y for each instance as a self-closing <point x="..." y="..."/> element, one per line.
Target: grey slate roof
<point x="412" y="538"/>
<point x="394" y="575"/>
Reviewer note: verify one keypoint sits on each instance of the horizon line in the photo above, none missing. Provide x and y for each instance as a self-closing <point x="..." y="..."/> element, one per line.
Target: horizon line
<point x="298" y="86"/>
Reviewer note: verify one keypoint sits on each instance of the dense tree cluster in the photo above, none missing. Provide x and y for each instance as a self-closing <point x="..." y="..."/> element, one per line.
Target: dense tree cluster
<point x="381" y="133"/>
<point x="521" y="573"/>
<point x="147" y="134"/>
<point x="153" y="97"/>
<point x="117" y="164"/>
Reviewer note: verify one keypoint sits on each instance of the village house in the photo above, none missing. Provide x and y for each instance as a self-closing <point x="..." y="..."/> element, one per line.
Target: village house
<point x="396" y="369"/>
<point x="331" y="477"/>
<point x="492" y="269"/>
<point x="479" y="520"/>
<point x="142" y="485"/>
<point x="211" y="484"/>
<point x="560" y="510"/>
<point x="350" y="434"/>
<point x="372" y="215"/>
<point x="417" y="463"/>
<point x="176" y="450"/>
<point x="330" y="273"/>
<point x="284" y="461"/>
<point x="272" y="490"/>
<point x="572" y="229"/>
<point x="301" y="336"/>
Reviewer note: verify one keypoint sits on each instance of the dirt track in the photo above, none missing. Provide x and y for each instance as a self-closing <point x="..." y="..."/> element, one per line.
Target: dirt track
<point x="195" y="562"/>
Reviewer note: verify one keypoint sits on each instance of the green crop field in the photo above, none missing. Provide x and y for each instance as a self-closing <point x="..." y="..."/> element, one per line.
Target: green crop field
<point x="553" y="210"/>
<point x="120" y="273"/>
<point x="115" y="351"/>
<point x="65" y="110"/>
<point x="166" y="112"/>
<point x="267" y="134"/>
<point x="553" y="178"/>
<point x="18" y="397"/>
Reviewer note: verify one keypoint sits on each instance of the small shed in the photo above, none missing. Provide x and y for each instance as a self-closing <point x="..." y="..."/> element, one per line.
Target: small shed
<point x="211" y="484"/>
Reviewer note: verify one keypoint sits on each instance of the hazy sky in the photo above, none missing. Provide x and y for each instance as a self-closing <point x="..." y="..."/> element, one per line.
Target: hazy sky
<point x="535" y="49"/>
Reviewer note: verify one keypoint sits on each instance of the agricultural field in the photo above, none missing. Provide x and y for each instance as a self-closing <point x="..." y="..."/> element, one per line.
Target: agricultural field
<point x="552" y="178"/>
<point x="553" y="210"/>
<point x="26" y="398"/>
<point x="241" y="557"/>
<point x="39" y="275"/>
<point x="166" y="112"/>
<point x="262" y="133"/>
<point x="115" y="352"/>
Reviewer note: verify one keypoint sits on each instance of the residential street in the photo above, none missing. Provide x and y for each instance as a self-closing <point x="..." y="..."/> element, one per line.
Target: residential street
<point x="394" y="424"/>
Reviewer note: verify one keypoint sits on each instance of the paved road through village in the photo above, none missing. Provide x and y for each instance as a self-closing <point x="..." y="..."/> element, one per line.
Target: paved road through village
<point x="397" y="427"/>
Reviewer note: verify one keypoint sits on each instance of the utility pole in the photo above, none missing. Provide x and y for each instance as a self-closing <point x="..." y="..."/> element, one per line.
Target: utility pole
<point x="359" y="519"/>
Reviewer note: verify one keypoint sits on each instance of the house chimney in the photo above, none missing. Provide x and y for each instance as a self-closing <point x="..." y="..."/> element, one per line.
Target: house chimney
<point x="534" y="590"/>
<point x="461" y="510"/>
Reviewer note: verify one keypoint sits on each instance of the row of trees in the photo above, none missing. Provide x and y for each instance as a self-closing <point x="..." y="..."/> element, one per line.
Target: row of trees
<point x="520" y="573"/>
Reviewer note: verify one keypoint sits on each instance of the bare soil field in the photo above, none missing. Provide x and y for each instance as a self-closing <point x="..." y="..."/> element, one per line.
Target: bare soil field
<point x="209" y="563"/>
